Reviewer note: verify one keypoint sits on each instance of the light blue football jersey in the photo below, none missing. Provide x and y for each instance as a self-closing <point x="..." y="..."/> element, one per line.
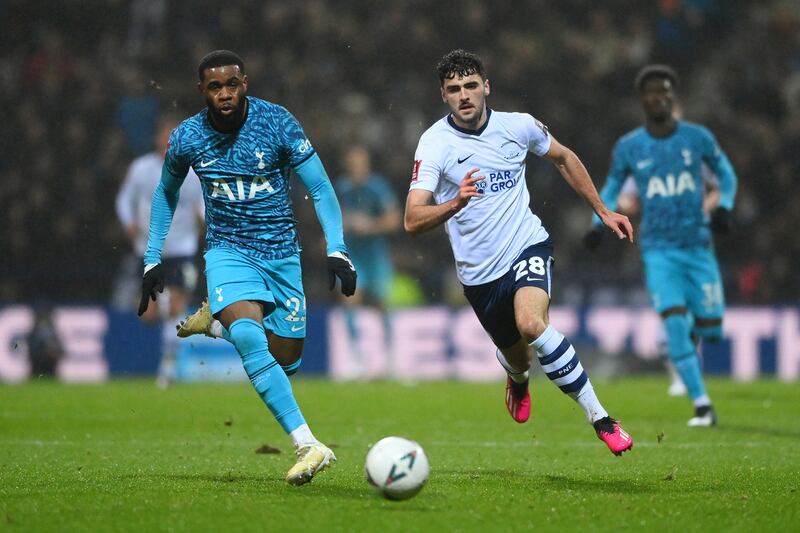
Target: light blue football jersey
<point x="669" y="176"/>
<point x="244" y="176"/>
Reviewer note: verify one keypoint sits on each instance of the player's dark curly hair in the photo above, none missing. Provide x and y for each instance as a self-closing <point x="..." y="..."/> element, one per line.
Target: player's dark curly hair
<point x="655" y="71"/>
<point x="219" y="58"/>
<point x="459" y="63"/>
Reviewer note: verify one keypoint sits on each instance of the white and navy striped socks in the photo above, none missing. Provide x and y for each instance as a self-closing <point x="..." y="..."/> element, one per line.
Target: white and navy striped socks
<point x="563" y="368"/>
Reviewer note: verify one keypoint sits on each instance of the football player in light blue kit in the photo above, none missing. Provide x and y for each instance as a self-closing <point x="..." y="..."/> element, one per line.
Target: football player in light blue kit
<point x="371" y="214"/>
<point x="665" y="157"/>
<point x="243" y="149"/>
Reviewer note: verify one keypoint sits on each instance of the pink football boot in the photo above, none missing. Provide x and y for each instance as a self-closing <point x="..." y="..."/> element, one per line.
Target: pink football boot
<point x="617" y="439"/>
<point x="518" y="400"/>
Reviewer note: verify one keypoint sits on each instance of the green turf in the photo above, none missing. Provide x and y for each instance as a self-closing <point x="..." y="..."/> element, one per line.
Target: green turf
<point x="126" y="456"/>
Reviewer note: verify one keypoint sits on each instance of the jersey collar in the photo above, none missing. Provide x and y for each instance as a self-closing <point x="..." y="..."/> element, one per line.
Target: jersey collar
<point x="465" y="130"/>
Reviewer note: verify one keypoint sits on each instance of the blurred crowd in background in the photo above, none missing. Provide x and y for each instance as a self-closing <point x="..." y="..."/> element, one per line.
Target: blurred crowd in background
<point x="84" y="83"/>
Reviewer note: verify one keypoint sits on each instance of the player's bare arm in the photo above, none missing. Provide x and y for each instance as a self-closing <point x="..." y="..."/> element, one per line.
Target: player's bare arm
<point x="423" y="214"/>
<point x="711" y="199"/>
<point x="575" y="173"/>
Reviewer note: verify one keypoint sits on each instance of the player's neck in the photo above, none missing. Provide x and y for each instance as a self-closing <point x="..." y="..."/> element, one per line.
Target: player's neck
<point x="661" y="128"/>
<point x="472" y="125"/>
<point x="232" y="125"/>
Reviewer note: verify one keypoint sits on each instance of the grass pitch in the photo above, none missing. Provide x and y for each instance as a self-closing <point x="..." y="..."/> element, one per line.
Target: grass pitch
<point x="127" y="457"/>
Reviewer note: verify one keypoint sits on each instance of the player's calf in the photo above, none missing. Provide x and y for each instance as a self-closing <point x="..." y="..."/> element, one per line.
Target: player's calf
<point x="563" y="367"/>
<point x="708" y="331"/>
<point x="687" y="363"/>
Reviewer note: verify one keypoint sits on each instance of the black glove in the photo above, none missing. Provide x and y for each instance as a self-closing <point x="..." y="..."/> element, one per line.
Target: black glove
<point x="152" y="281"/>
<point x="339" y="265"/>
<point x="593" y="238"/>
<point x="721" y="221"/>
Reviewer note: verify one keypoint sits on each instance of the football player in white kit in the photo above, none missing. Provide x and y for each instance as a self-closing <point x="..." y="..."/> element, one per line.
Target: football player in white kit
<point x="469" y="174"/>
<point x="180" y="249"/>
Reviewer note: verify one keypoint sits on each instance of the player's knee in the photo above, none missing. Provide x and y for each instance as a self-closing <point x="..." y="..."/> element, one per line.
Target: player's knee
<point x="672" y="311"/>
<point x="292" y="368"/>
<point x="531" y="328"/>
<point x="709" y="332"/>
<point x="286" y="357"/>
<point x="287" y="351"/>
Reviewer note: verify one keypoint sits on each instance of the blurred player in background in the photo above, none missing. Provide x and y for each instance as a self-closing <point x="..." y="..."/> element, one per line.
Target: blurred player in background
<point x="180" y="248"/>
<point x="469" y="174"/>
<point x="243" y="149"/>
<point x="630" y="205"/>
<point x="371" y="213"/>
<point x="665" y="157"/>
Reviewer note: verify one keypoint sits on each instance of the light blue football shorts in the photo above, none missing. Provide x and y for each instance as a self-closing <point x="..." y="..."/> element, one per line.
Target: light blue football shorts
<point x="233" y="275"/>
<point x="685" y="277"/>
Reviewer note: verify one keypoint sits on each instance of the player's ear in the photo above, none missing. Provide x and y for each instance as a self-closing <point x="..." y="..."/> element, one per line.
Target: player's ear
<point x="444" y="95"/>
<point x="486" y="88"/>
<point x="200" y="87"/>
<point x="244" y="83"/>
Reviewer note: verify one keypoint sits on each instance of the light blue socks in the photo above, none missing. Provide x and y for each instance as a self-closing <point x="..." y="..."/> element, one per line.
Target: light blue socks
<point x="250" y="340"/>
<point x="684" y="356"/>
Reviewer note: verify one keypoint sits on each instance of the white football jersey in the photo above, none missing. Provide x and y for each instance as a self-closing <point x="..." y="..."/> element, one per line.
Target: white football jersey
<point x="136" y="196"/>
<point x="493" y="229"/>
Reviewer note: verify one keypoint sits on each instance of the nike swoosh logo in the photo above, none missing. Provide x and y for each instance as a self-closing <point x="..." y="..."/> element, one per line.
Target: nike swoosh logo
<point x="644" y="164"/>
<point x="298" y="328"/>
<point x="462" y="160"/>
<point x="534" y="279"/>
<point x="204" y="164"/>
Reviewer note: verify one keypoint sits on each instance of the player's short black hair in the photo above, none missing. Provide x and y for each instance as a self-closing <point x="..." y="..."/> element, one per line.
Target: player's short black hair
<point x="219" y="58"/>
<point x="459" y="63"/>
<point x="655" y="71"/>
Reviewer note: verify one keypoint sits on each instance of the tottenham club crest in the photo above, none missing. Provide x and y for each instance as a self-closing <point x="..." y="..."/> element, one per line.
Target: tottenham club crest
<point x="260" y="156"/>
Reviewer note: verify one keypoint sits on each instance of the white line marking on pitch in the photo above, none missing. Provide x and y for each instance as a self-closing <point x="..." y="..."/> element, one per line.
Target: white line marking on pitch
<point x="482" y="444"/>
<point x="638" y="444"/>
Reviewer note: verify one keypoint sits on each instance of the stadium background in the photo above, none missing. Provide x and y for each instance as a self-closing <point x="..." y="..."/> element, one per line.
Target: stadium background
<point x="83" y="84"/>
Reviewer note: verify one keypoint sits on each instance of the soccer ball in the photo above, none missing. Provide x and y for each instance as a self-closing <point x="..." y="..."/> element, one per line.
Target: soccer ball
<point x="397" y="468"/>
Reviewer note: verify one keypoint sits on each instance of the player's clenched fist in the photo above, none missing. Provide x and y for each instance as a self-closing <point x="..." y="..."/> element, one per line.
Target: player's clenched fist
<point x="721" y="221"/>
<point x="152" y="282"/>
<point x="340" y="266"/>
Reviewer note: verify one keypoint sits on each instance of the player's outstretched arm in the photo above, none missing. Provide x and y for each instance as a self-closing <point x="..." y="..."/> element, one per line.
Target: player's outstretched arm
<point x="165" y="200"/>
<point x="326" y="205"/>
<point x="312" y="174"/>
<point x="573" y="171"/>
<point x="616" y="181"/>
<point x="422" y="214"/>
